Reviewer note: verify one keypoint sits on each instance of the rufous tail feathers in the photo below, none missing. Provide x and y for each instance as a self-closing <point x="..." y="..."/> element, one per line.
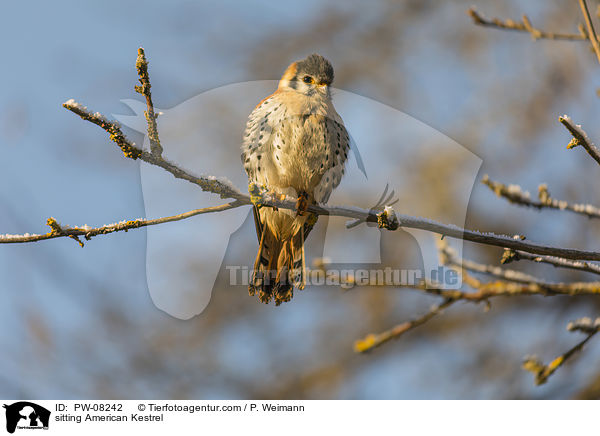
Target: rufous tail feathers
<point x="280" y="265"/>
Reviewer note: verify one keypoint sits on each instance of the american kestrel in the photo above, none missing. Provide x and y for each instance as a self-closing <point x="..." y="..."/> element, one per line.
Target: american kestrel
<point x="295" y="144"/>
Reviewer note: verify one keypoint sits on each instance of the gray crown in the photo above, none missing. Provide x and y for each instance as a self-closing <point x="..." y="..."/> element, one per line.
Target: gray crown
<point x="316" y="66"/>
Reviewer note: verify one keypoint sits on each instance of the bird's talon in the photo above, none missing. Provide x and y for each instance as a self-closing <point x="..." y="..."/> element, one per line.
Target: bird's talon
<point x="302" y="204"/>
<point x="256" y="194"/>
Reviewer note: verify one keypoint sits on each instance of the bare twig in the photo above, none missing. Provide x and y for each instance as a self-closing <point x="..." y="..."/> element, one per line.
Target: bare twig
<point x="525" y="26"/>
<point x="212" y="184"/>
<point x="475" y="236"/>
<point x="373" y="341"/>
<point x="141" y="66"/>
<point x="111" y="127"/>
<point x="579" y="137"/>
<point x="89" y="232"/>
<point x="517" y="284"/>
<point x="512" y="282"/>
<point x="511" y="255"/>
<point x="450" y="257"/>
<point x="516" y="195"/>
<point x="500" y="288"/>
<point x="543" y="372"/>
<point x="590" y="28"/>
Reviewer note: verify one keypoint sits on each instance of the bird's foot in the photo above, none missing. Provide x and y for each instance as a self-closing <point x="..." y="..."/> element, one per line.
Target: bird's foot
<point x="302" y="204"/>
<point x="256" y="194"/>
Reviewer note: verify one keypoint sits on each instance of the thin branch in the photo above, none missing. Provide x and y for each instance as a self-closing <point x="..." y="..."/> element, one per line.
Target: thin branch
<point x="450" y="257"/>
<point x="590" y="28"/>
<point x="515" y="194"/>
<point x="543" y="372"/>
<point x="484" y="292"/>
<point x="500" y="288"/>
<point x="87" y="232"/>
<point x="223" y="187"/>
<point x="512" y="282"/>
<point x="113" y="128"/>
<point x="525" y="26"/>
<point x="579" y="137"/>
<point x="373" y="341"/>
<point x="512" y="255"/>
<point x="141" y="66"/>
<point x="456" y="232"/>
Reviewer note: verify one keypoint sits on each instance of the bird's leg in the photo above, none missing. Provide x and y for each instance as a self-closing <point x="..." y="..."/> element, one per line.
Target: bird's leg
<point x="302" y="203"/>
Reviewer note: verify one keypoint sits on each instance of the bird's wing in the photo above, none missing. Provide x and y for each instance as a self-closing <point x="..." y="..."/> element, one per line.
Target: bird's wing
<point x="258" y="137"/>
<point x="333" y="167"/>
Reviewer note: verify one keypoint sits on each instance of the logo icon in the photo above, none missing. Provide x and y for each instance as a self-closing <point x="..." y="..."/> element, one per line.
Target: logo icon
<point x="26" y="415"/>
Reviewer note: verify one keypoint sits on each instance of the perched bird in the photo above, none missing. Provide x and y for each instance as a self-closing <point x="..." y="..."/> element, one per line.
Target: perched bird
<point x="295" y="144"/>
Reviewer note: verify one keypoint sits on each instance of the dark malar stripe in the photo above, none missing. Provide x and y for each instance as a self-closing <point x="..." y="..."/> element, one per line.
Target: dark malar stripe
<point x="294" y="82"/>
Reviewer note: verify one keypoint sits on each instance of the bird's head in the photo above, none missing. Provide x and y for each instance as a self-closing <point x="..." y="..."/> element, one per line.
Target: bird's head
<point x="311" y="76"/>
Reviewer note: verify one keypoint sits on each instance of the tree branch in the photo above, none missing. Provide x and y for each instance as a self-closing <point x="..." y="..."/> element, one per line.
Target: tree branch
<point x="512" y="255"/>
<point x="590" y="28"/>
<point x="386" y="219"/>
<point x="515" y="194"/>
<point x="485" y="291"/>
<point x="226" y="189"/>
<point x="579" y="137"/>
<point x="141" y="66"/>
<point x="543" y="372"/>
<point x="526" y="26"/>
<point x="450" y="257"/>
<point x="223" y="187"/>
<point x="58" y="231"/>
<point x="373" y="341"/>
<point x="512" y="282"/>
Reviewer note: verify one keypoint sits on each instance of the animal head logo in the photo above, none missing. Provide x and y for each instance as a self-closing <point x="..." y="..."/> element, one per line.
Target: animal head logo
<point x="27" y="415"/>
<point x="430" y="174"/>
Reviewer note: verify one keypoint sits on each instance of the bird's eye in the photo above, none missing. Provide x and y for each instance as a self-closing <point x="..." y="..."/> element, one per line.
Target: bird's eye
<point x="307" y="79"/>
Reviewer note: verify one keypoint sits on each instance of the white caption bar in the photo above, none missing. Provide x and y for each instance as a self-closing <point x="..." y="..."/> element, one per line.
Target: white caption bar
<point x="298" y="417"/>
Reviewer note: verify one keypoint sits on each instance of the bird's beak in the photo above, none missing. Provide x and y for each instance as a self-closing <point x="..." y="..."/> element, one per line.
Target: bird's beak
<point x="323" y="87"/>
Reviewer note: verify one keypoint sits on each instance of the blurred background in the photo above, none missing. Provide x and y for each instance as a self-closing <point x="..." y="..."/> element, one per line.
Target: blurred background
<point x="80" y="323"/>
